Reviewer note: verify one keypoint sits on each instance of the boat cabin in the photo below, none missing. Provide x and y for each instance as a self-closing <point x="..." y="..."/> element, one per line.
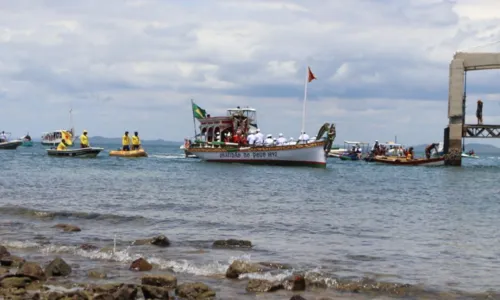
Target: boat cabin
<point x="236" y="120"/>
<point x="53" y="138"/>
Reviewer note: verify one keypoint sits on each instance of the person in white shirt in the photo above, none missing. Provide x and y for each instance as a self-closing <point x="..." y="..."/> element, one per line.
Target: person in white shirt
<point x="3" y="137"/>
<point x="304" y="137"/>
<point x="251" y="138"/>
<point x="281" y="140"/>
<point x="259" y="138"/>
<point x="291" y="141"/>
<point x="269" y="140"/>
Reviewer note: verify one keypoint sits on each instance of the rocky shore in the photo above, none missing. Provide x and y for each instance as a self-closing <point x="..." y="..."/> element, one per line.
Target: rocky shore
<point x="56" y="279"/>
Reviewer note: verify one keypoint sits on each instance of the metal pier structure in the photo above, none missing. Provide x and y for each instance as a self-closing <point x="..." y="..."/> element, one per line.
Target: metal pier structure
<point x="457" y="129"/>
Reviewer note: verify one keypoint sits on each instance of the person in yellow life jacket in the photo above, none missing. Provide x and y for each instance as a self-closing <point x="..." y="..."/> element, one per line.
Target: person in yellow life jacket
<point x="62" y="145"/>
<point x="126" y="142"/>
<point x="84" y="140"/>
<point x="136" y="141"/>
<point x="410" y="155"/>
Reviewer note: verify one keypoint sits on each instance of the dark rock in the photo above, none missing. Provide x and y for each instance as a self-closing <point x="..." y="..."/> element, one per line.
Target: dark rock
<point x="3" y="251"/>
<point x="154" y="292"/>
<point x="12" y="261"/>
<point x="55" y="296"/>
<point x="239" y="267"/>
<point x="32" y="270"/>
<point x="295" y="283"/>
<point x="196" y="290"/>
<point x="73" y="295"/>
<point x="161" y="241"/>
<point x="231" y="243"/>
<point x="88" y="247"/>
<point x="261" y="286"/>
<point x="166" y="281"/>
<point x="140" y="265"/>
<point x="15" y="282"/>
<point x="97" y="274"/>
<point x="58" y="267"/>
<point x="68" y="227"/>
<point x="297" y="297"/>
<point x="103" y="288"/>
<point x="126" y="292"/>
<point x="370" y="286"/>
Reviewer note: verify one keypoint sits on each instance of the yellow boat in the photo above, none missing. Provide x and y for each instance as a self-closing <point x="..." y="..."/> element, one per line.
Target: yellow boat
<point x="131" y="153"/>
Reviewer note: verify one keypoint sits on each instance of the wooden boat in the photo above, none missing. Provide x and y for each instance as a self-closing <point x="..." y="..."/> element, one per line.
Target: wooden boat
<point x="131" y="153"/>
<point x="311" y="154"/>
<point x="10" y="145"/>
<point x="89" y="152"/>
<point x="401" y="161"/>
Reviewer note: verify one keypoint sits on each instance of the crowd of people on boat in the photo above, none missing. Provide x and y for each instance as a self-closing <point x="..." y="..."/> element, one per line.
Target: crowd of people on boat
<point x="254" y="138"/>
<point x="392" y="150"/>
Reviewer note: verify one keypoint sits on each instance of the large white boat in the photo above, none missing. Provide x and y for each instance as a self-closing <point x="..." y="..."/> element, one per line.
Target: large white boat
<point x="53" y="138"/>
<point x="213" y="148"/>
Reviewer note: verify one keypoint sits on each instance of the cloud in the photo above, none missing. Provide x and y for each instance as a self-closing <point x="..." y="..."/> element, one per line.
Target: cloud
<point x="382" y="66"/>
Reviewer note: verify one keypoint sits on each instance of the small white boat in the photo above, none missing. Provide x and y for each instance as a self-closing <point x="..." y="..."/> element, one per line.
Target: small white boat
<point x="336" y="152"/>
<point x="89" y="152"/>
<point x="466" y="155"/>
<point x="10" y="145"/>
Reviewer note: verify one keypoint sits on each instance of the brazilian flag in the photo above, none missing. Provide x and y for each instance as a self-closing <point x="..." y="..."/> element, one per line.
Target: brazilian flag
<point x="198" y="112"/>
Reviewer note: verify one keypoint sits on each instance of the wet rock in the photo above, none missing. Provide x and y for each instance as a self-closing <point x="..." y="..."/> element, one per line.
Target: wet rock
<point x="103" y="288"/>
<point x="11" y="261"/>
<point x="103" y="297"/>
<point x="295" y="283"/>
<point x="32" y="270"/>
<point x="154" y="292"/>
<point x="261" y="286"/>
<point x="317" y="280"/>
<point x="3" y="251"/>
<point x="96" y="274"/>
<point x="88" y="247"/>
<point x="58" y="267"/>
<point x="161" y="241"/>
<point x="232" y="243"/>
<point x="141" y="265"/>
<point x="239" y="267"/>
<point x="166" y="281"/>
<point x="15" y="282"/>
<point x="3" y="271"/>
<point x="68" y="227"/>
<point x="73" y="295"/>
<point x="297" y="297"/>
<point x="196" y="290"/>
<point x="126" y="292"/>
<point x="276" y="266"/>
<point x="372" y="286"/>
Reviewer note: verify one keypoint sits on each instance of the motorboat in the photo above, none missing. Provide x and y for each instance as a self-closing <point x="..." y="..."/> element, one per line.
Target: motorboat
<point x="89" y="152"/>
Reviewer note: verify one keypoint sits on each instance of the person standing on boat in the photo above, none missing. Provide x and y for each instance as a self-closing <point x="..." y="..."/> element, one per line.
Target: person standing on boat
<point x="303" y="137"/>
<point x="84" y="140"/>
<point x="3" y="137"/>
<point x="251" y="138"/>
<point x="429" y="148"/>
<point x="125" y="142"/>
<point x="409" y="154"/>
<point x="259" y="138"/>
<point x="281" y="141"/>
<point x="62" y="145"/>
<point x="269" y="140"/>
<point x="136" y="141"/>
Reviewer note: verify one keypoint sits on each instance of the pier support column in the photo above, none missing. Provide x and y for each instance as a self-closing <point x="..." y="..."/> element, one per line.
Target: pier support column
<point x="456" y="107"/>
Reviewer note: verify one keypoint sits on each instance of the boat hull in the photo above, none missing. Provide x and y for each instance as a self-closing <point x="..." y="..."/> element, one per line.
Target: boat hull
<point x="349" y="157"/>
<point x="131" y="153"/>
<point x="27" y="144"/>
<point x="90" y="152"/>
<point x="400" y="161"/>
<point x="310" y="155"/>
<point x="11" y="145"/>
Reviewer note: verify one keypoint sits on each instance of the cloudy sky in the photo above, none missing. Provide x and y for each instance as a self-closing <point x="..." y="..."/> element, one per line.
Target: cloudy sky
<point x="382" y="65"/>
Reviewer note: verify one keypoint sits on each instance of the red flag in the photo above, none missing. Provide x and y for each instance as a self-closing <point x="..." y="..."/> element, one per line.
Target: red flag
<point x="311" y="76"/>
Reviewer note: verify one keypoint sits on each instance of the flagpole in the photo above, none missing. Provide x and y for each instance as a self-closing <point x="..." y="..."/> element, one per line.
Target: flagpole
<point x="305" y="99"/>
<point x="194" y="121"/>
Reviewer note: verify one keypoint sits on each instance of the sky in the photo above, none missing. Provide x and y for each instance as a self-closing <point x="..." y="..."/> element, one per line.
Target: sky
<point x="382" y="66"/>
